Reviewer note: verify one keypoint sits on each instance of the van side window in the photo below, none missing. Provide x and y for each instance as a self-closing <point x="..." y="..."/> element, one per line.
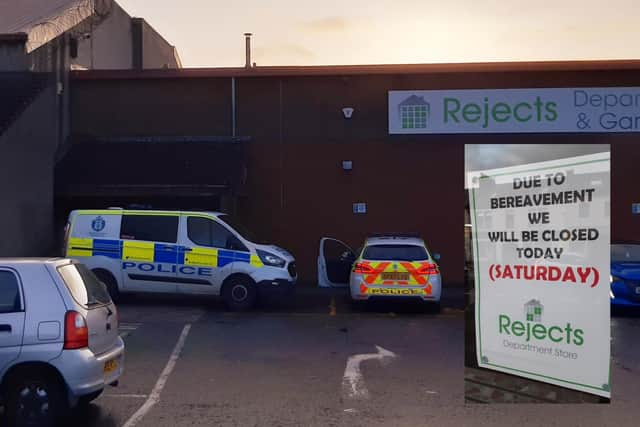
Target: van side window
<point x="206" y="232"/>
<point x="9" y="293"/>
<point x="154" y="228"/>
<point x="199" y="230"/>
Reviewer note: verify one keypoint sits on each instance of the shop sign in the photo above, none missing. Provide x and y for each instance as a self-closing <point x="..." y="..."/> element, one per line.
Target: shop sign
<point x="574" y="110"/>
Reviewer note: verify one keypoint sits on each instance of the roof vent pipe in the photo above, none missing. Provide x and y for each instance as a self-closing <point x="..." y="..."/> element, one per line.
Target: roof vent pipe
<point x="247" y="43"/>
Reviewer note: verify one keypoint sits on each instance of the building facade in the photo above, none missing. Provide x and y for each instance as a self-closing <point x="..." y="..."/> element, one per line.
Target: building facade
<point x="291" y="136"/>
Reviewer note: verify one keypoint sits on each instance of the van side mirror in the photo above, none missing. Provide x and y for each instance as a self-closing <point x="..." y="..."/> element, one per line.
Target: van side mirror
<point x="436" y="256"/>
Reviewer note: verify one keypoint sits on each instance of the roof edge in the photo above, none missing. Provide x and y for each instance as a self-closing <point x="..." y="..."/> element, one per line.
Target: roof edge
<point x="273" y="71"/>
<point x="14" y="38"/>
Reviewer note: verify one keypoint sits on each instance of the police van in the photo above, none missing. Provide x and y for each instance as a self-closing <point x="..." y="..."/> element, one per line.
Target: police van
<point x="177" y="252"/>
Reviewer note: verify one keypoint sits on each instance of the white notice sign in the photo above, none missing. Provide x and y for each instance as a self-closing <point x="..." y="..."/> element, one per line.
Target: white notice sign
<point x="541" y="253"/>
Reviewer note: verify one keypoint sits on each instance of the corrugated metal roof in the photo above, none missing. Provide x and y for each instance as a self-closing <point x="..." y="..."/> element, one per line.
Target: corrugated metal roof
<point x="341" y="70"/>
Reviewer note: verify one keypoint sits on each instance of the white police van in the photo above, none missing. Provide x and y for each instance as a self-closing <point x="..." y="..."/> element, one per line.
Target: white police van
<point x="178" y="253"/>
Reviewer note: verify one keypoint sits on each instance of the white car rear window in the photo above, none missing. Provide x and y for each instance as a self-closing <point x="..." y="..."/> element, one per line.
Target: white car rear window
<point x="395" y="253"/>
<point x="84" y="286"/>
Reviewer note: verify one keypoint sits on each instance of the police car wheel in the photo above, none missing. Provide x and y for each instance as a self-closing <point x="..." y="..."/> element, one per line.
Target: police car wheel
<point x="239" y="293"/>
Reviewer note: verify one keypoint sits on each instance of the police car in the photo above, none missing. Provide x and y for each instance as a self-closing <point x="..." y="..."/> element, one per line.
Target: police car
<point x="178" y="253"/>
<point x="394" y="265"/>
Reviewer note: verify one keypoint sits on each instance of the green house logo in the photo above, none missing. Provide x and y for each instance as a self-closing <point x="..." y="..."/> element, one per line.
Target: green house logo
<point x="414" y="112"/>
<point x="533" y="311"/>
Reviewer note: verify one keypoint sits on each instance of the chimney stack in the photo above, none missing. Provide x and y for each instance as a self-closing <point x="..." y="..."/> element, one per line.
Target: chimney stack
<point x="247" y="42"/>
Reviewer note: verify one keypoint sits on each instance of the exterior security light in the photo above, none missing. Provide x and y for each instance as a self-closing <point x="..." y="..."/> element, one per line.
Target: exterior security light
<point x="347" y="112"/>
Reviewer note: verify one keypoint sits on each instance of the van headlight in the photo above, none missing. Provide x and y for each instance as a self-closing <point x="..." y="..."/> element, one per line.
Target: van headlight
<point x="270" y="259"/>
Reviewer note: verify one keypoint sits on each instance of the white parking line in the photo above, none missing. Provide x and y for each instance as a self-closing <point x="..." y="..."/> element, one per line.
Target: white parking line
<point x="127" y="396"/>
<point x="124" y="329"/>
<point x="154" y="397"/>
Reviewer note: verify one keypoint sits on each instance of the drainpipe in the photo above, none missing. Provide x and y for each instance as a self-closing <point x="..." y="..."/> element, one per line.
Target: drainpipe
<point x="233" y="107"/>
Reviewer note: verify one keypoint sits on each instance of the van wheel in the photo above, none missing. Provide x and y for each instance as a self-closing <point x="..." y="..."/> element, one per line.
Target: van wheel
<point x="110" y="281"/>
<point x="35" y="399"/>
<point x="239" y="293"/>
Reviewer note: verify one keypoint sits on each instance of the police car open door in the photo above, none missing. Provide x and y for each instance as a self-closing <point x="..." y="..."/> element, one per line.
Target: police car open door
<point x="334" y="263"/>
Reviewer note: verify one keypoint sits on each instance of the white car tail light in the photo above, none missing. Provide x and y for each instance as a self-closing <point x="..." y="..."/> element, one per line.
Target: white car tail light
<point x="76" y="333"/>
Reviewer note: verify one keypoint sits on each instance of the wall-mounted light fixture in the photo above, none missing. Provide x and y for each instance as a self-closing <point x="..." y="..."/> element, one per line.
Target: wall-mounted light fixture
<point x="347" y="112"/>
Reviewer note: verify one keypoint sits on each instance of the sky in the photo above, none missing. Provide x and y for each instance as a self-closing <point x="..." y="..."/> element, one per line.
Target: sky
<point x="209" y="33"/>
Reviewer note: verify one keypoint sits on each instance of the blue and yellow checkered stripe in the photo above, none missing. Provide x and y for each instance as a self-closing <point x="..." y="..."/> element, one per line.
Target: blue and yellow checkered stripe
<point x="132" y="250"/>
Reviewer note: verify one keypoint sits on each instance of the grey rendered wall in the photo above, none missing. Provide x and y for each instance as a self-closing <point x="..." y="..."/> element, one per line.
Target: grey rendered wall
<point x="13" y="56"/>
<point x="156" y="51"/>
<point x="27" y="151"/>
<point x="111" y="41"/>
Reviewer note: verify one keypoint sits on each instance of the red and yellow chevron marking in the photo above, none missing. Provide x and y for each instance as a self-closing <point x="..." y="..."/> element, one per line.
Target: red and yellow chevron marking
<point x="373" y="272"/>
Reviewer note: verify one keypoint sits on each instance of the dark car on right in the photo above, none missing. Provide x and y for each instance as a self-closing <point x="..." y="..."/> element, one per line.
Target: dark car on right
<point x="625" y="275"/>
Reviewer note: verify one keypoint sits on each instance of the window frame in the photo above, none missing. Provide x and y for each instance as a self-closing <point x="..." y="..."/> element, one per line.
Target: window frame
<point x="191" y="240"/>
<point x="16" y="275"/>
<point x="71" y="286"/>
<point x="125" y="236"/>
<point x="213" y="222"/>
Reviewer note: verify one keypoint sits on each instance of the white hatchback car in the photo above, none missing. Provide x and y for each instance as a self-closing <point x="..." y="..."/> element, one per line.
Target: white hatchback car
<point x="393" y="265"/>
<point x="59" y="342"/>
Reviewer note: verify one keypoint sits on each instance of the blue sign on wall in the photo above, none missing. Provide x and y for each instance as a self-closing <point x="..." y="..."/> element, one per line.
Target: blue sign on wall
<point x="359" y="208"/>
